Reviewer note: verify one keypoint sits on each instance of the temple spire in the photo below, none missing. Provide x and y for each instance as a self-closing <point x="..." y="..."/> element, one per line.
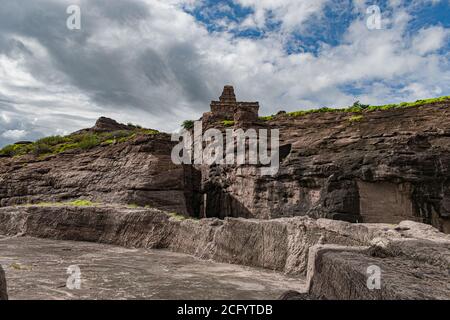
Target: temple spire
<point x="228" y="94"/>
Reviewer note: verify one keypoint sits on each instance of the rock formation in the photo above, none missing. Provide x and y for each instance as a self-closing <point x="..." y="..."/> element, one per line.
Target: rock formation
<point x="388" y="166"/>
<point x="137" y="172"/>
<point x="104" y="124"/>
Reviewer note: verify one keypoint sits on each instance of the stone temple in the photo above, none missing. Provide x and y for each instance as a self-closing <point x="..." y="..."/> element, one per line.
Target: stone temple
<point x="228" y="108"/>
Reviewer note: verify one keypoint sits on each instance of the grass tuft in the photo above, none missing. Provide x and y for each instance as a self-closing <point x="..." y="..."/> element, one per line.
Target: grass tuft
<point x="356" y="118"/>
<point x="228" y="123"/>
<point x="74" y="203"/>
<point x="176" y="216"/>
<point x="267" y="118"/>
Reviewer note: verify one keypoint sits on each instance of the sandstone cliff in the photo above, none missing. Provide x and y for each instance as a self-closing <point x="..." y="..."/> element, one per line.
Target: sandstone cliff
<point x="385" y="166"/>
<point x="137" y="171"/>
<point x="371" y="166"/>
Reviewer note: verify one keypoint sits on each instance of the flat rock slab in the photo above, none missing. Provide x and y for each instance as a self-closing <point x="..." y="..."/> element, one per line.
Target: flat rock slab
<point x="37" y="269"/>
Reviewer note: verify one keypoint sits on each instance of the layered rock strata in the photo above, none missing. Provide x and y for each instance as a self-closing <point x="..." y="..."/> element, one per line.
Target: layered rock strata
<point x="137" y="172"/>
<point x="388" y="166"/>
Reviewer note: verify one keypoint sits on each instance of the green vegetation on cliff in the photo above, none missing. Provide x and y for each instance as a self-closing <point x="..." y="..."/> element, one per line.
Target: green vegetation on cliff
<point x="228" y="123"/>
<point x="357" y="107"/>
<point x="78" y="141"/>
<point x="74" y="203"/>
<point x="356" y="118"/>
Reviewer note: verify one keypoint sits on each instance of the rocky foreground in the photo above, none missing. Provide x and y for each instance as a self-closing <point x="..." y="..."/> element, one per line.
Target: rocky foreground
<point x="334" y="256"/>
<point x="36" y="269"/>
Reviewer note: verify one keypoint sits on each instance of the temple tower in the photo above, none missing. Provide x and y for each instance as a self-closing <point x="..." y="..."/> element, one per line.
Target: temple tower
<point x="228" y="108"/>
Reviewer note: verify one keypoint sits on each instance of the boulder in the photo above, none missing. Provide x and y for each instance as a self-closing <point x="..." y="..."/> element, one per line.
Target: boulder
<point x="104" y="124"/>
<point x="343" y="273"/>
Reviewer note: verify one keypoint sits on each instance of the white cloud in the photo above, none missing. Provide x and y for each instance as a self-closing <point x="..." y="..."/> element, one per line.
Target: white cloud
<point x="14" y="134"/>
<point x="292" y="13"/>
<point x="430" y="39"/>
<point x="5" y="118"/>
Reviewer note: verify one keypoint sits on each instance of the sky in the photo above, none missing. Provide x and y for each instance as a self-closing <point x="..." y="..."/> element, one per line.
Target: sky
<point x="157" y="63"/>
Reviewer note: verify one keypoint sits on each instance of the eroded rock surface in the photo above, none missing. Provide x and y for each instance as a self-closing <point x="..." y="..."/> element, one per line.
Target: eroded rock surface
<point x="343" y="273"/>
<point x="280" y="244"/>
<point x="388" y="166"/>
<point x="334" y="255"/>
<point x="136" y="172"/>
<point x="37" y="269"/>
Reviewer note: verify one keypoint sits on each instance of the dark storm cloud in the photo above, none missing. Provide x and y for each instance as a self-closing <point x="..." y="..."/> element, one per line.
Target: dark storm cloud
<point x="12" y="47"/>
<point x="186" y="64"/>
<point x="116" y="77"/>
<point x="153" y="67"/>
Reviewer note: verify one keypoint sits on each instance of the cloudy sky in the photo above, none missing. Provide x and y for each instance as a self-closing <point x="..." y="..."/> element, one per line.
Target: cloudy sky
<point x="157" y="63"/>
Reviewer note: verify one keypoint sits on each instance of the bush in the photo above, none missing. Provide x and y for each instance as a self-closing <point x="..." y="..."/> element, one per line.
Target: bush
<point x="116" y="134"/>
<point x="188" y="124"/>
<point x="13" y="150"/>
<point x="53" y="140"/>
<point x="40" y="148"/>
<point x="357" y="104"/>
<point x="134" y="125"/>
<point x="89" y="141"/>
<point x="8" y="150"/>
<point x="324" y="109"/>
<point x="149" y="132"/>
<point x="66" y="147"/>
<point x="297" y="113"/>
